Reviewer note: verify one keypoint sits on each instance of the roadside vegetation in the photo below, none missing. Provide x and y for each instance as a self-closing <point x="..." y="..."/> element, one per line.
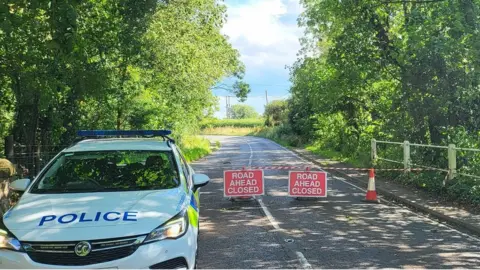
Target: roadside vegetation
<point x="392" y="71"/>
<point x="243" y="111"/>
<point x="231" y="126"/>
<point x="110" y="64"/>
<point x="236" y="123"/>
<point x="230" y="131"/>
<point x="387" y="70"/>
<point x="194" y="147"/>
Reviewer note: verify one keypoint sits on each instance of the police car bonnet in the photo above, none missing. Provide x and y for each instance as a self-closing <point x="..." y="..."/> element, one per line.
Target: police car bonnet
<point x="62" y="211"/>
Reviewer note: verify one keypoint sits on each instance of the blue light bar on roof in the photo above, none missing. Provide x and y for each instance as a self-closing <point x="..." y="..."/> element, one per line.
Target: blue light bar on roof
<point x="98" y="133"/>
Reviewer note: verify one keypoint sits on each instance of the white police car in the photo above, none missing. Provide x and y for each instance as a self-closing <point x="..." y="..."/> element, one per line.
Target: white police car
<point x="107" y="203"/>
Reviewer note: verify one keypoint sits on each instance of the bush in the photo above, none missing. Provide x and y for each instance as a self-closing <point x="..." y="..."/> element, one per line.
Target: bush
<point x="281" y="134"/>
<point x="276" y="113"/>
<point x="243" y="111"/>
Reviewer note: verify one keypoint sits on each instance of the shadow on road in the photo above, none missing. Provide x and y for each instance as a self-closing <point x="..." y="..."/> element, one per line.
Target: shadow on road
<point x="335" y="232"/>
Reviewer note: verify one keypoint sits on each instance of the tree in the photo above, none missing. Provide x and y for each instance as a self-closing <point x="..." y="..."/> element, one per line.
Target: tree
<point x="241" y="90"/>
<point x="188" y="56"/>
<point x="276" y="113"/>
<point x="106" y="64"/>
<point x="242" y="111"/>
<point x="392" y="69"/>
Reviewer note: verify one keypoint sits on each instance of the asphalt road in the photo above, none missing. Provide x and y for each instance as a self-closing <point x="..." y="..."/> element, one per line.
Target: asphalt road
<point x="340" y="231"/>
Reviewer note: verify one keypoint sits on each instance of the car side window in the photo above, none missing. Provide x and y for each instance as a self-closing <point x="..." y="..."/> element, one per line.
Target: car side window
<point x="185" y="169"/>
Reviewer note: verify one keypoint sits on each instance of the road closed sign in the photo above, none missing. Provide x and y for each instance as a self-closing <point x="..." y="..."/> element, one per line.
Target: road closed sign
<point x="307" y="184"/>
<point x="239" y="183"/>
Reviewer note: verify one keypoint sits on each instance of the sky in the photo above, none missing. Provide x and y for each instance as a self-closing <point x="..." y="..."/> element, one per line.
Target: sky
<point x="265" y="33"/>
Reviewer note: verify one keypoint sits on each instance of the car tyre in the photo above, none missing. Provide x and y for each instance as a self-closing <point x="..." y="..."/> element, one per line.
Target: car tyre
<point x="196" y="259"/>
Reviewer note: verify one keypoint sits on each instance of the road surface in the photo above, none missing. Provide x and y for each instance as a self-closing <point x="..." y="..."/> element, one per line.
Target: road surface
<point x="340" y="231"/>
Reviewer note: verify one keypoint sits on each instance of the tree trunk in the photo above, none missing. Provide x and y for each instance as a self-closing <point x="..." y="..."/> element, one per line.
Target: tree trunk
<point x="119" y="118"/>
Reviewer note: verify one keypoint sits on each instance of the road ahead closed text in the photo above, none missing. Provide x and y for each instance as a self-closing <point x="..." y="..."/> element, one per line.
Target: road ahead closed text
<point x="307" y="184"/>
<point x="243" y="183"/>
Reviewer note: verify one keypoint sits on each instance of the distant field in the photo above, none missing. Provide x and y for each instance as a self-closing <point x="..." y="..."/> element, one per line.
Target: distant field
<point x="234" y="131"/>
<point x="234" y="123"/>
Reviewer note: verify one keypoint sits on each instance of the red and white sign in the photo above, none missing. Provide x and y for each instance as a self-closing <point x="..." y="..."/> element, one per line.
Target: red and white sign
<point x="307" y="184"/>
<point x="240" y="183"/>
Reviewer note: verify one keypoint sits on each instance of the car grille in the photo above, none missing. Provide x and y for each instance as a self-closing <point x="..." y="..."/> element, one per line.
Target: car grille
<point x="176" y="263"/>
<point x="63" y="253"/>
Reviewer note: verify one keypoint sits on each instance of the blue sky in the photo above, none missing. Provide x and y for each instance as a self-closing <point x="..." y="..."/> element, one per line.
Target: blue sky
<point x="265" y="33"/>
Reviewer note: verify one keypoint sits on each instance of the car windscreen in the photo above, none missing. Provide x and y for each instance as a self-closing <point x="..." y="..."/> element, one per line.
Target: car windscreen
<point x="103" y="171"/>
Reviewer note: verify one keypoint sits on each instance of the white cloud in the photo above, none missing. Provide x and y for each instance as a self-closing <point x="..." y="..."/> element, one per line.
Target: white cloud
<point x="294" y="6"/>
<point x="267" y="36"/>
<point x="265" y="32"/>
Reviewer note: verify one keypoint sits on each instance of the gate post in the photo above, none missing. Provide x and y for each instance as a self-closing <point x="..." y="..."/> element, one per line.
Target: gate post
<point x="406" y="155"/>
<point x="452" y="161"/>
<point x="374" y="151"/>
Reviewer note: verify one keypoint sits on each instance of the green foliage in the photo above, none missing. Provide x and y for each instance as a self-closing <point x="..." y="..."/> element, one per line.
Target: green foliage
<point x="110" y="64"/>
<point x="243" y="111"/>
<point x="241" y="90"/>
<point x="213" y="123"/>
<point x="230" y="131"/>
<point x="271" y="133"/>
<point x="194" y="147"/>
<point x="281" y="134"/>
<point x="394" y="71"/>
<point x="232" y="127"/>
<point x="276" y="112"/>
<point x="190" y="56"/>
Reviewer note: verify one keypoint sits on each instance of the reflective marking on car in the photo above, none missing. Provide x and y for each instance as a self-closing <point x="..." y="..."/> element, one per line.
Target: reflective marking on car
<point x="192" y="216"/>
<point x="180" y="203"/>
<point x="193" y="203"/>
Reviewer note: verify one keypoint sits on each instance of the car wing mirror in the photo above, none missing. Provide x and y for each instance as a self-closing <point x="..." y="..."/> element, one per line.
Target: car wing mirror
<point x="20" y="185"/>
<point x="199" y="180"/>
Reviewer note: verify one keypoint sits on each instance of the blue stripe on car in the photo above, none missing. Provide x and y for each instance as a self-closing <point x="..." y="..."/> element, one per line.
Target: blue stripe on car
<point x="193" y="203"/>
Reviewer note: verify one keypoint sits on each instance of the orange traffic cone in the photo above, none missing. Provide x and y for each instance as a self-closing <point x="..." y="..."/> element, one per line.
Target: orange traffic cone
<point x="371" y="192"/>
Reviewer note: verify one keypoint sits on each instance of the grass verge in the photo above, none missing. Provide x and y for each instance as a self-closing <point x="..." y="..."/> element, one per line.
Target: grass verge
<point x="194" y="147"/>
<point x="359" y="161"/>
<point x="285" y="138"/>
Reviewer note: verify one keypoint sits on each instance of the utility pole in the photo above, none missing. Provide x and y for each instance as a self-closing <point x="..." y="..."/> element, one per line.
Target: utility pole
<point x="228" y="106"/>
<point x="266" y="98"/>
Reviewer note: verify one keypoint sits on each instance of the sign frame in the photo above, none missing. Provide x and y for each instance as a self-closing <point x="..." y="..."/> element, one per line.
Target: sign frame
<point x="243" y="195"/>
<point x="308" y="196"/>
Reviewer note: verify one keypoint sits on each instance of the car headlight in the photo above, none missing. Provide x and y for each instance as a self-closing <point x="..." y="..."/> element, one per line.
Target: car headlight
<point x="7" y="240"/>
<point x="172" y="229"/>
